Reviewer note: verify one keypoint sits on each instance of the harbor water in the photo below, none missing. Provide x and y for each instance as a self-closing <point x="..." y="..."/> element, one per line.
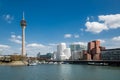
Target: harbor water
<point x="59" y="72"/>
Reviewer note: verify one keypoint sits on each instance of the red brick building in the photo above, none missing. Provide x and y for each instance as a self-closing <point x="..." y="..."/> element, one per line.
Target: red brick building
<point x="86" y="55"/>
<point x="94" y="51"/>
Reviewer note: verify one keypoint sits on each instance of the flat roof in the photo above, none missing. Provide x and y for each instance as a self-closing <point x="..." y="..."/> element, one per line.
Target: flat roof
<point x="111" y="49"/>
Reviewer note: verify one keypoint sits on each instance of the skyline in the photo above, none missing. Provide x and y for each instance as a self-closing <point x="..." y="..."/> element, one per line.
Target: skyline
<point x="52" y="22"/>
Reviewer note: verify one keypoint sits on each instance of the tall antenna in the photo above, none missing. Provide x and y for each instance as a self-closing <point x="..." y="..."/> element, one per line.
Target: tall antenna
<point x="23" y="17"/>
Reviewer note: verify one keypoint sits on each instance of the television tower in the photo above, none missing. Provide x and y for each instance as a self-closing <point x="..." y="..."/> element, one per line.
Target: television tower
<point x="23" y="26"/>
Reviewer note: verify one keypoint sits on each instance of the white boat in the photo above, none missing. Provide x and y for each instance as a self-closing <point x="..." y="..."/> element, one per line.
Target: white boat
<point x="32" y="64"/>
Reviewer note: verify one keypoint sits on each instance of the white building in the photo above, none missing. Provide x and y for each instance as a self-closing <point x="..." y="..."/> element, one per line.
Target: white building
<point x="54" y="55"/>
<point x="67" y="52"/>
<point x="63" y="53"/>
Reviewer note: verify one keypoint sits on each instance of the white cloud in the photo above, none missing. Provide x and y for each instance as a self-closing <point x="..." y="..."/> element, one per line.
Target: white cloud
<point x="82" y="29"/>
<point x="87" y="19"/>
<point x="112" y="21"/>
<point x="31" y="49"/>
<point x="95" y="27"/>
<point x="67" y="35"/>
<point x="8" y="18"/>
<point x="4" y="46"/>
<point x="19" y="37"/>
<point x="52" y="44"/>
<point x="81" y="43"/>
<point x="15" y="39"/>
<point x="110" y="44"/>
<point x="35" y="45"/>
<point x="76" y="36"/>
<point x="71" y="36"/>
<point x="101" y="40"/>
<point x="116" y="38"/>
<point x="13" y="36"/>
<point x="4" y="49"/>
<point x="105" y="22"/>
<point x="34" y="48"/>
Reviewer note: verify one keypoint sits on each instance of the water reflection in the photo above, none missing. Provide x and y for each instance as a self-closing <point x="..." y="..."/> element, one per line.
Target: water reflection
<point x="59" y="72"/>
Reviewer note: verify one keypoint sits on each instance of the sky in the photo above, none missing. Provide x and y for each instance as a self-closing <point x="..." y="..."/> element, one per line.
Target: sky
<point x="50" y="22"/>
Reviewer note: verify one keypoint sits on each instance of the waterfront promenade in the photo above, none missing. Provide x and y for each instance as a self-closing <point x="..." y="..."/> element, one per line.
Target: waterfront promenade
<point x="91" y="62"/>
<point x="82" y="62"/>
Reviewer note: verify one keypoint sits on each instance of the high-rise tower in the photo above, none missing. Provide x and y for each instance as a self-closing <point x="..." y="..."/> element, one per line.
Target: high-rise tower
<point x="23" y="26"/>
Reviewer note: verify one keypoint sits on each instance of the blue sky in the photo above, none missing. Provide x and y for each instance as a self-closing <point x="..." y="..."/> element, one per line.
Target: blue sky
<point x="50" y="22"/>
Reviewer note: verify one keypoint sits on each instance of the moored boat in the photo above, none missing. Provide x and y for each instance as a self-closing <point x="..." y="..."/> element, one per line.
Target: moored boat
<point x="32" y="64"/>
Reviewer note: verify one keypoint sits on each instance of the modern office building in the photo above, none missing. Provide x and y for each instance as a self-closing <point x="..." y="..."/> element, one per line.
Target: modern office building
<point x="47" y="56"/>
<point x="110" y="54"/>
<point x="38" y="55"/>
<point x="76" y="51"/>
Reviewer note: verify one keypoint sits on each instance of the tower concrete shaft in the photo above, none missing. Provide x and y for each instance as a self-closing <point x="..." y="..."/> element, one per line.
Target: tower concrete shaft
<point x="23" y="42"/>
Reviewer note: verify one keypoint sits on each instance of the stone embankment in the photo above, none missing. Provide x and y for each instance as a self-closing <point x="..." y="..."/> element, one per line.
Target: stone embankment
<point x="15" y="63"/>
